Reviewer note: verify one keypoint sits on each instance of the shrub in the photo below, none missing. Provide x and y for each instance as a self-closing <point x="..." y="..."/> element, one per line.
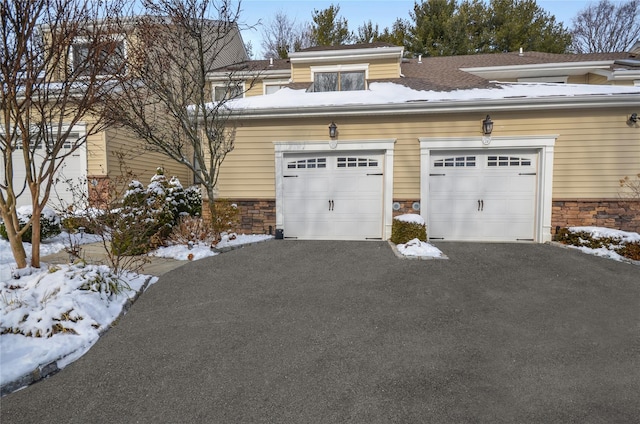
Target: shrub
<point x="227" y="214"/>
<point x="148" y="215"/>
<point x="191" y="229"/>
<point x="581" y="238"/>
<point x="408" y="227"/>
<point x="49" y="224"/>
<point x="193" y="197"/>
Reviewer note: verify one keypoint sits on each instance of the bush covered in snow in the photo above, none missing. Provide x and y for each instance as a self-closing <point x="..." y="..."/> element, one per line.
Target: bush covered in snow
<point x="626" y="244"/>
<point x="148" y="214"/>
<point x="49" y="224"/>
<point x="408" y="227"/>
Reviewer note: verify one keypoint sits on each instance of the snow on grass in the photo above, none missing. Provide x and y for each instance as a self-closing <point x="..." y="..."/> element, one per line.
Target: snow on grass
<point x="58" y="313"/>
<point x="202" y="250"/>
<point x="417" y="248"/>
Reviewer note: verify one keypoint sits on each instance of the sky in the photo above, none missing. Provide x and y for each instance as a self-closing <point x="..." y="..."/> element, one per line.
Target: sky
<point x="382" y="12"/>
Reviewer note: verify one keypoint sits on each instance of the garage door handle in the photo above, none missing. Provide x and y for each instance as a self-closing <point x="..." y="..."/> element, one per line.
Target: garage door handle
<point x="480" y="205"/>
<point x="330" y="205"/>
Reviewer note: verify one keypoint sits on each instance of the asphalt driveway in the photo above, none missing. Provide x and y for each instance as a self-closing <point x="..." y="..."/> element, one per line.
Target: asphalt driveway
<point x="345" y="332"/>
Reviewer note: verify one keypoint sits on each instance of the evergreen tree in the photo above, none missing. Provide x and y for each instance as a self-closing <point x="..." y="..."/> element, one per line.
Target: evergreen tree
<point x="327" y="29"/>
<point x="446" y="27"/>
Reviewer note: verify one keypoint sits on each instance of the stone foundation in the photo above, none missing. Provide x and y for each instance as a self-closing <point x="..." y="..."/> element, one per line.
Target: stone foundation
<point x="257" y="216"/>
<point x="406" y="206"/>
<point x="621" y="214"/>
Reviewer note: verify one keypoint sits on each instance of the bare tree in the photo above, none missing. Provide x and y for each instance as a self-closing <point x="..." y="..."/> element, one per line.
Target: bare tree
<point x="282" y="36"/>
<point x="55" y="59"/>
<point x="166" y="98"/>
<point x="606" y="27"/>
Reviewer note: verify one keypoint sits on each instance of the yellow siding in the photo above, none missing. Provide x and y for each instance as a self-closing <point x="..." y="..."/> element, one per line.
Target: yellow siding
<point x="255" y="90"/>
<point x="595" y="148"/>
<point x="126" y="154"/>
<point x="378" y="69"/>
<point x="96" y="155"/>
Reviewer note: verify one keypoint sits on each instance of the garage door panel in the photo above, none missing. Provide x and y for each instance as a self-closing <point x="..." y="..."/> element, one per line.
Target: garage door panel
<point x="492" y="197"/>
<point x="339" y="200"/>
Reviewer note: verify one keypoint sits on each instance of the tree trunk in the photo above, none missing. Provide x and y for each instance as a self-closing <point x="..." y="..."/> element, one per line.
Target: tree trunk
<point x="212" y="209"/>
<point x="35" y="238"/>
<point x="15" y="241"/>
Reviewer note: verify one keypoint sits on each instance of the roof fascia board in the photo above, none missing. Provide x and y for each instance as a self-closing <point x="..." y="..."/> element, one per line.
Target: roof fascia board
<point x="333" y="55"/>
<point x="555" y="68"/>
<point x="223" y="76"/>
<point x="619" y="75"/>
<point x="521" y="104"/>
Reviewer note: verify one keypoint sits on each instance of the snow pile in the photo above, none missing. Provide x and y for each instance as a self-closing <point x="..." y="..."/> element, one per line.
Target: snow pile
<point x="417" y="248"/>
<point x="390" y="93"/>
<point x="58" y="313"/>
<point x="602" y="232"/>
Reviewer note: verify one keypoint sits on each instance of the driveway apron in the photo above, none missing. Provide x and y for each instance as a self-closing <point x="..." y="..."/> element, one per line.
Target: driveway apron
<point x="346" y="332"/>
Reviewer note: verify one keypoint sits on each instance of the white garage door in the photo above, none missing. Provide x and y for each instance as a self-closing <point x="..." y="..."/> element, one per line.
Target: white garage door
<point x="71" y="173"/>
<point x="482" y="195"/>
<point x="333" y="196"/>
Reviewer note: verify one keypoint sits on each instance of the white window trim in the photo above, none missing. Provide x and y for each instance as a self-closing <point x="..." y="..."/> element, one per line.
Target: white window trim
<point x="543" y="144"/>
<point x="224" y="84"/>
<point x="386" y="146"/>
<point x="342" y="68"/>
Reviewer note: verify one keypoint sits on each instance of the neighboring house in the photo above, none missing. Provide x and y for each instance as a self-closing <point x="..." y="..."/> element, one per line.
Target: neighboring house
<point x="115" y="152"/>
<point x="333" y="142"/>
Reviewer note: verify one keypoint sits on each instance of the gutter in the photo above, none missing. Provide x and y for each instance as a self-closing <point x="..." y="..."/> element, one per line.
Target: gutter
<point x="440" y="107"/>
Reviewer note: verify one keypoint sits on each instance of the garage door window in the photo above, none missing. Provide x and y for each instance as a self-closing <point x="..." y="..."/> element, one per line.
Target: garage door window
<point x="507" y="161"/>
<point x="458" y="162"/>
<point x="308" y="163"/>
<point x="355" y="162"/>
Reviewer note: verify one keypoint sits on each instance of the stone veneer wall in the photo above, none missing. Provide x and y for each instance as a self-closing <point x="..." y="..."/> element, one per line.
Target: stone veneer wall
<point x="257" y="216"/>
<point x="621" y="214"/>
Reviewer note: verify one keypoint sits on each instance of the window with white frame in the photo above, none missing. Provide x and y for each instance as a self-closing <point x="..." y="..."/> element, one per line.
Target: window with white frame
<point x="231" y="90"/>
<point x="105" y="56"/>
<point x="339" y="78"/>
<point x="272" y="87"/>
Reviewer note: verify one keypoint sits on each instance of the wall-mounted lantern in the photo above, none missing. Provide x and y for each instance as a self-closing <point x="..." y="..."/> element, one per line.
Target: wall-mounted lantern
<point x="487" y="126"/>
<point x="333" y="130"/>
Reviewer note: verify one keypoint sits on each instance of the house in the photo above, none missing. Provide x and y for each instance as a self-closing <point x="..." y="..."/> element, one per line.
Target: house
<point x="335" y="141"/>
<point x="112" y="151"/>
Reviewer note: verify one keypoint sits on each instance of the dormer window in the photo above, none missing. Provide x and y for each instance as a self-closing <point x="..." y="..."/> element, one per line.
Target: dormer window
<point x="339" y="78"/>
<point x="339" y="81"/>
<point x="228" y="91"/>
<point x="107" y="55"/>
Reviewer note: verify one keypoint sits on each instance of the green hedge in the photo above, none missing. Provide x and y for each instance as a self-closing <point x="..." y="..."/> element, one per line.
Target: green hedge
<point x="402" y="231"/>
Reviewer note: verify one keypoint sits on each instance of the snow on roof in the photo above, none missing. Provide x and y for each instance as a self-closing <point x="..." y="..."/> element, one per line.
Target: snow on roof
<point x="388" y="93"/>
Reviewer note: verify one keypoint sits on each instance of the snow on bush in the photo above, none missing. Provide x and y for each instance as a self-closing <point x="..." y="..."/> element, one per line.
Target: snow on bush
<point x="49" y="223"/>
